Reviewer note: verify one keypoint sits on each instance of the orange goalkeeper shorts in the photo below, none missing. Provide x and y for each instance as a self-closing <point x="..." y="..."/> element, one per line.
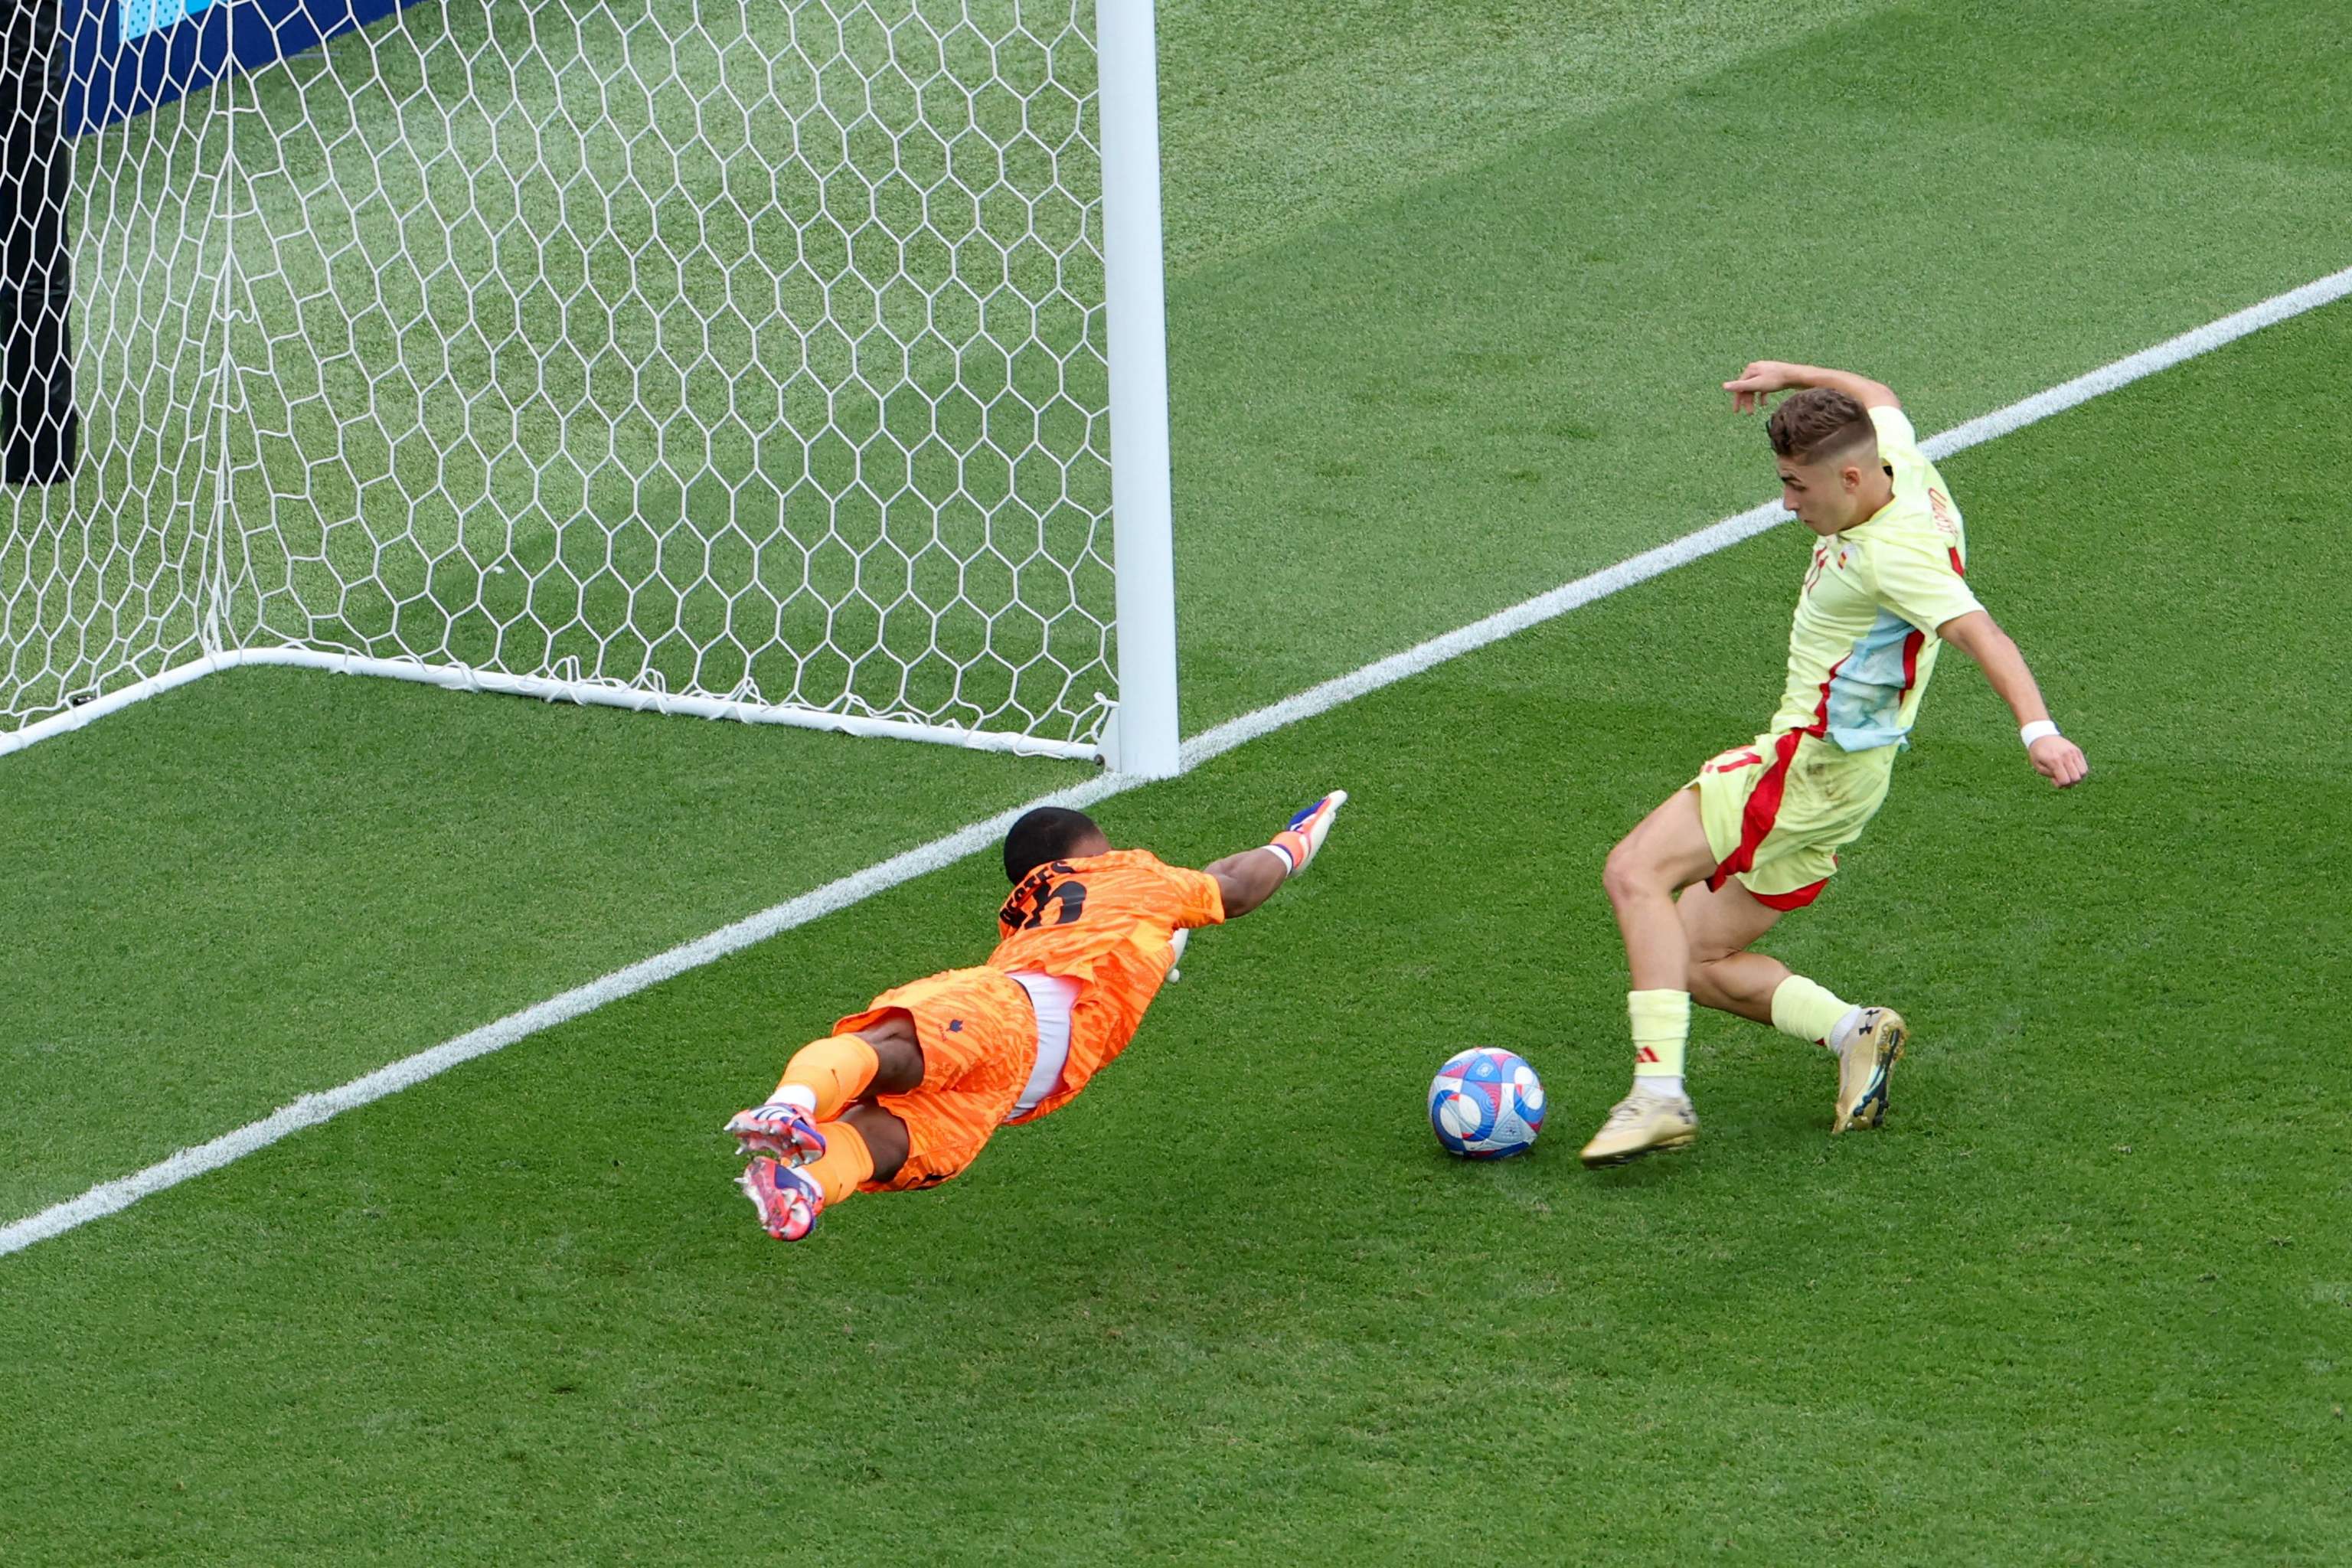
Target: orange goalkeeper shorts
<point x="979" y="1039"/>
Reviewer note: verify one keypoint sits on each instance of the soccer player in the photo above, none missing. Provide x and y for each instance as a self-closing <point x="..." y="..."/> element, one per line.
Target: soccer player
<point x="1757" y="834"/>
<point x="906" y="1093"/>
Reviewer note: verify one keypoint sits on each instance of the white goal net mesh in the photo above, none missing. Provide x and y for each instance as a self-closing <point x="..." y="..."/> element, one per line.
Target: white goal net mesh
<point x="102" y="566"/>
<point x="737" y="349"/>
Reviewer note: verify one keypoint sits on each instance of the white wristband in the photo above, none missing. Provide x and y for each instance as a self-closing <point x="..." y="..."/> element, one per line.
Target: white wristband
<point x="1279" y="853"/>
<point x="2035" y="730"/>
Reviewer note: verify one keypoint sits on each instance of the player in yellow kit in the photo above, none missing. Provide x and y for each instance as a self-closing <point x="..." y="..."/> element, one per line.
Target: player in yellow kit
<point x="1757" y="833"/>
<point x="906" y="1093"/>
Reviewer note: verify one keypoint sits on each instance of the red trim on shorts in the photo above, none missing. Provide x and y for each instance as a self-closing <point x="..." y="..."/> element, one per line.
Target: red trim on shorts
<point x="1796" y="900"/>
<point x="1763" y="806"/>
<point x="1762" y="809"/>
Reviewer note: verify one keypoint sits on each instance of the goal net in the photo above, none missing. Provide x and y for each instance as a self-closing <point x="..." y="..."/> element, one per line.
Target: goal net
<point x="735" y="357"/>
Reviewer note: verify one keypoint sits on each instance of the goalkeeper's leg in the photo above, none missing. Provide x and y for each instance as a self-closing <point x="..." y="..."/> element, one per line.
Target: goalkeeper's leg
<point x="823" y="1079"/>
<point x="864" y="1149"/>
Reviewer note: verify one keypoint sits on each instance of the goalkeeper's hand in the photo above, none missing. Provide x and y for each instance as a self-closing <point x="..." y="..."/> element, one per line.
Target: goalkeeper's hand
<point x="1298" y="843"/>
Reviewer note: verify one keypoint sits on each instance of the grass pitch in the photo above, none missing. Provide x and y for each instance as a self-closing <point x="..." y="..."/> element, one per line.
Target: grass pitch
<point x="1473" y="365"/>
<point x="2084" y="1299"/>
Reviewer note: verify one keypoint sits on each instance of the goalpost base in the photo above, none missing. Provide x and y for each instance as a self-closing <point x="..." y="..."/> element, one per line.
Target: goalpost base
<point x="457" y="678"/>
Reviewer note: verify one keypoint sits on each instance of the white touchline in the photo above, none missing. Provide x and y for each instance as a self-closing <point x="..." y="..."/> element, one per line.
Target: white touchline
<point x="108" y="1197"/>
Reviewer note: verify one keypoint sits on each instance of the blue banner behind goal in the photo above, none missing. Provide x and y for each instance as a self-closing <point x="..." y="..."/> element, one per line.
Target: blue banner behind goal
<point x="128" y="57"/>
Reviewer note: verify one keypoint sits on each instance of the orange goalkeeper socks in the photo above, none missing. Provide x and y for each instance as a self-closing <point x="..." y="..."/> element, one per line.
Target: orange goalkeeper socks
<point x="826" y="1075"/>
<point x="845" y="1162"/>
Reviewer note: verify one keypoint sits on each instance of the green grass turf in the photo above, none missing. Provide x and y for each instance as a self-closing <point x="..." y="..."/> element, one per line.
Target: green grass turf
<point x="2084" y="1300"/>
<point x="280" y="918"/>
<point x="1478" y="361"/>
<point x="1514" y="364"/>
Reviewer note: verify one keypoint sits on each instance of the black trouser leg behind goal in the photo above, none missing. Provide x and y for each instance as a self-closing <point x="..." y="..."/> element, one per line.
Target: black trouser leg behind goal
<point x="40" y="432"/>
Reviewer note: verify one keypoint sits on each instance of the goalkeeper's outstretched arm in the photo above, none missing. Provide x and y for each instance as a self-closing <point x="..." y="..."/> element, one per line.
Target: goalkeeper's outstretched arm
<point x="1249" y="878"/>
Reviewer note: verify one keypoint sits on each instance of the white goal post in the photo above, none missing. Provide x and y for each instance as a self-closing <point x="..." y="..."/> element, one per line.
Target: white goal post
<point x="797" y="362"/>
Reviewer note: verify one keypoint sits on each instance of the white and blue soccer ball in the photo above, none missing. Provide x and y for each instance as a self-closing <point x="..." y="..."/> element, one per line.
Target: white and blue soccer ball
<point x="1487" y="1104"/>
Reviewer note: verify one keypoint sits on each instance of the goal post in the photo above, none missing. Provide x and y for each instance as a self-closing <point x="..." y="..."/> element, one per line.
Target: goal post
<point x="1143" y="502"/>
<point x="799" y="361"/>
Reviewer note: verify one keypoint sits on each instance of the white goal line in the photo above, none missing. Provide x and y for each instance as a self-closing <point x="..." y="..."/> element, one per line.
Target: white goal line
<point x="111" y="1197"/>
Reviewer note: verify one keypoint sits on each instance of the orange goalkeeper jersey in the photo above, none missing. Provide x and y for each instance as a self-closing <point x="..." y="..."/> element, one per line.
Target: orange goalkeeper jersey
<point x="1105" y="922"/>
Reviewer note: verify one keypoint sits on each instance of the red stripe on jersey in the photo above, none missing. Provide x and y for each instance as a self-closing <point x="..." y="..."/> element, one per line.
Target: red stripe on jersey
<point x="1958" y="570"/>
<point x="1820" y="724"/>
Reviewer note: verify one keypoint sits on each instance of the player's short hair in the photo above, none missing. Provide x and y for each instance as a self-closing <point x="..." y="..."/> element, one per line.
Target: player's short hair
<point x="1048" y="832"/>
<point x="1816" y="422"/>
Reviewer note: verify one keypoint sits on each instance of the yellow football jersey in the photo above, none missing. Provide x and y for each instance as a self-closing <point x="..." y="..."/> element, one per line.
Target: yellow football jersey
<point x="1863" y="643"/>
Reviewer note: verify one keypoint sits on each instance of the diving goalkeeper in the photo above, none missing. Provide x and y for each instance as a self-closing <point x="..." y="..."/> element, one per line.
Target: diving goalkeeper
<point x="906" y="1093"/>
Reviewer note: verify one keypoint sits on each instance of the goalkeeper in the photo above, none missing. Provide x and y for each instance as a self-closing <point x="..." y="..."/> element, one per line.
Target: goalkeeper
<point x="906" y="1093"/>
<point x="1757" y="833"/>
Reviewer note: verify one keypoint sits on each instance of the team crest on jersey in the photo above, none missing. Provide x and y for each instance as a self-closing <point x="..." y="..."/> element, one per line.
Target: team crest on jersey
<point x="1821" y="561"/>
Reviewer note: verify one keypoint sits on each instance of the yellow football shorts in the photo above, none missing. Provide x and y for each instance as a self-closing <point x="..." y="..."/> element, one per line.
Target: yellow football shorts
<point x="1776" y="812"/>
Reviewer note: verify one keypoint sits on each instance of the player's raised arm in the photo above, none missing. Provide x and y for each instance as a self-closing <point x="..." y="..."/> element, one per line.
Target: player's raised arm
<point x="1979" y="635"/>
<point x="1765" y="376"/>
<point x="1249" y="878"/>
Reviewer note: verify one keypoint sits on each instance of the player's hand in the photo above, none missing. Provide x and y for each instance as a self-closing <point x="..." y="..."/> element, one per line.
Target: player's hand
<point x="1298" y="842"/>
<point x="1176" y="941"/>
<point x="1761" y="378"/>
<point x="2060" y="760"/>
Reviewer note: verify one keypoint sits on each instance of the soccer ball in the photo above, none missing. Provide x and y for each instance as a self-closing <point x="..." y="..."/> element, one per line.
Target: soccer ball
<point x="1485" y="1104"/>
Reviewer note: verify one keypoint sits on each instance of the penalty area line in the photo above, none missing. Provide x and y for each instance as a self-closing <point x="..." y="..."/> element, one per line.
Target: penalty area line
<point x="111" y="1197"/>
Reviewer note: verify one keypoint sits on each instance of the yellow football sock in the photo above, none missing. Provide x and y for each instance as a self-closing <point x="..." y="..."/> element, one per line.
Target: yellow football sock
<point x="1660" y="1031"/>
<point x="1806" y="1010"/>
<point x="845" y="1162"/>
<point x="829" y="1074"/>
